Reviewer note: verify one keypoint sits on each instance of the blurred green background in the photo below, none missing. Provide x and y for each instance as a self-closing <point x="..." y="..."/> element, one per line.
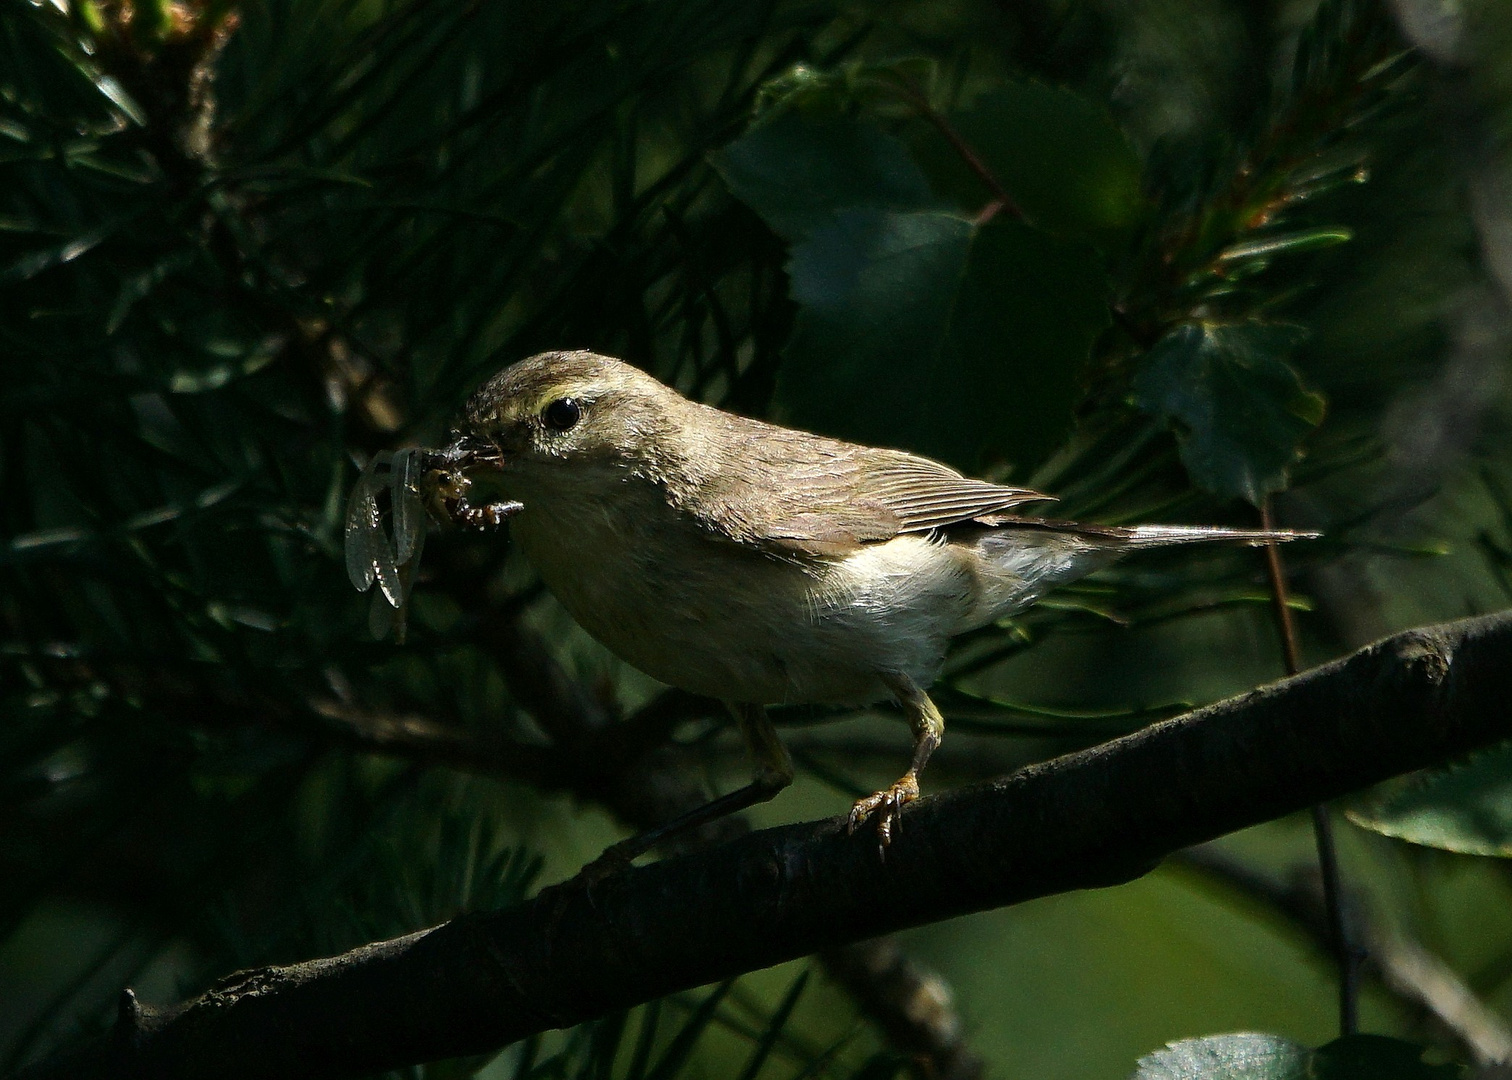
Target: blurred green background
<point x="1168" y="261"/>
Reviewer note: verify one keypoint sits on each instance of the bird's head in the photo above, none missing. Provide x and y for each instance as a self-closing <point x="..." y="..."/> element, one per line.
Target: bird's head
<point x="568" y="408"/>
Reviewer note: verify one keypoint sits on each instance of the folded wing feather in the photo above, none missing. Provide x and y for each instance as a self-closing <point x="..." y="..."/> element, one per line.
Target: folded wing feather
<point x="827" y="497"/>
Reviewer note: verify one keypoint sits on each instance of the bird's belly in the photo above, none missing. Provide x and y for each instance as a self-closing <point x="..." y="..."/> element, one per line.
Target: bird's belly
<point x="718" y="619"/>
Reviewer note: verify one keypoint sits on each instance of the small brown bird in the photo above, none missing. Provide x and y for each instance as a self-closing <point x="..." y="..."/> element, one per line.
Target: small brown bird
<point x="762" y="565"/>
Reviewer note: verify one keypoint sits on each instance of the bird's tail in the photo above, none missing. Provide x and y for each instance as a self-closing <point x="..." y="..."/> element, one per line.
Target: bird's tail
<point x="1022" y="558"/>
<point x="1147" y="536"/>
<point x="1133" y="537"/>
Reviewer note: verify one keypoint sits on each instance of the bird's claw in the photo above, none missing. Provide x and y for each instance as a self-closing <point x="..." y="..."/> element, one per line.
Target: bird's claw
<point x="887" y="805"/>
<point x="612" y="860"/>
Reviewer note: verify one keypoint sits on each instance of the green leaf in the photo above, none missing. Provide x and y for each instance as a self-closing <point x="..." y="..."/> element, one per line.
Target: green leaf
<point x="1060" y="156"/>
<point x="925" y="331"/>
<point x="1270" y="1057"/>
<point x="916" y="327"/>
<point x="797" y="171"/>
<point x="1286" y="243"/>
<point x="775" y="1028"/>
<point x="1226" y="1057"/>
<point x="681" y="1047"/>
<point x="1466" y="807"/>
<point x="1240" y="411"/>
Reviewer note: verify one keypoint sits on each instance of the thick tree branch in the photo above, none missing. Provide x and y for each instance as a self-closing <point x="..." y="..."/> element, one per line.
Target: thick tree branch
<point x="1095" y="818"/>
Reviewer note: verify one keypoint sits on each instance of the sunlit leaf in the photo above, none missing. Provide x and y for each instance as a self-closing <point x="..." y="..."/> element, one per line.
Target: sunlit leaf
<point x="1227" y="1057"/>
<point x="1286" y="243"/>
<point x="1271" y="1057"/>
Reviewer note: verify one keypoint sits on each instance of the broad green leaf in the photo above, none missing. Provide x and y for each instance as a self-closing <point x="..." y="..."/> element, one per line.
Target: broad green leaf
<point x="797" y="171"/>
<point x="1466" y="807"/>
<point x="1250" y="1056"/>
<point x="1239" y="409"/>
<point x="1060" y="156"/>
<point x="925" y="331"/>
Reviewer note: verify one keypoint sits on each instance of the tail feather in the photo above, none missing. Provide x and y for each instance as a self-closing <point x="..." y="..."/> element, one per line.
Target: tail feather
<point x="1022" y="558"/>
<point x="1142" y="536"/>
<point x="1149" y="536"/>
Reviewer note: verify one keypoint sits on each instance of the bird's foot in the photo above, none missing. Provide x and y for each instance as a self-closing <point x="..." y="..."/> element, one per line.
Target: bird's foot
<point x="887" y="805"/>
<point x="612" y="860"/>
<point x="564" y="894"/>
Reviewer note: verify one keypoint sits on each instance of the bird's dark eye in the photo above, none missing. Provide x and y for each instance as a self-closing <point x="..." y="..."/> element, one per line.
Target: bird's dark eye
<point x="562" y="414"/>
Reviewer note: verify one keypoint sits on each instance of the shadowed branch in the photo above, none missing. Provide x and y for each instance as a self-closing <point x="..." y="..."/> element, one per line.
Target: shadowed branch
<point x="1095" y="818"/>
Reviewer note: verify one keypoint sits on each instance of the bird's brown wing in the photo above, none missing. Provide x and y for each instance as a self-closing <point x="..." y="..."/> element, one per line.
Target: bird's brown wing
<point x="924" y="494"/>
<point x="792" y="493"/>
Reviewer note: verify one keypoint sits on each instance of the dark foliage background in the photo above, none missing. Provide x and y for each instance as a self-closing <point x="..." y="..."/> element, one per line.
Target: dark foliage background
<point x="1169" y="261"/>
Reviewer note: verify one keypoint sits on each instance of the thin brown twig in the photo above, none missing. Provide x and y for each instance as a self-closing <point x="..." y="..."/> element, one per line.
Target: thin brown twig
<point x="1001" y="199"/>
<point x="1280" y="593"/>
<point x="1346" y="953"/>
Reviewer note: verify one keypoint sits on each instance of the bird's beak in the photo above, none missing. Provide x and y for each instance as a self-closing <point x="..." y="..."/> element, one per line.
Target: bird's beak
<point x="466" y="450"/>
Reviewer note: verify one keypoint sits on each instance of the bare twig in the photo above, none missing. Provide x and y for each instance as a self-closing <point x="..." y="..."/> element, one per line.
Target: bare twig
<point x="1419" y="976"/>
<point x="1001" y="199"/>
<point x="1346" y="954"/>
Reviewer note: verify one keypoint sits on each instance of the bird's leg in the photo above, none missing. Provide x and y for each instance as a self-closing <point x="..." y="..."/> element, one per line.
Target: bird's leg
<point x="929" y="729"/>
<point x="774" y="771"/>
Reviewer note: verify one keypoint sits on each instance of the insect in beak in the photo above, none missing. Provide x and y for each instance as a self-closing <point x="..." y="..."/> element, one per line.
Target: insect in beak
<point x="445" y="483"/>
<point x="384" y="542"/>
